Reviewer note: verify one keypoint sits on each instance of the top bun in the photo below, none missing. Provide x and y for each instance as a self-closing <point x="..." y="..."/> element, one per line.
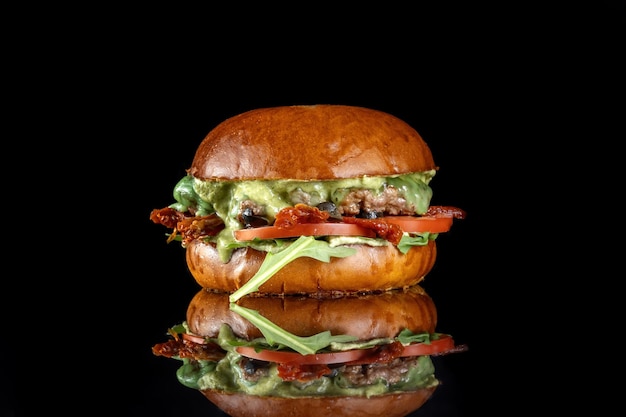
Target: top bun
<point x="319" y="142"/>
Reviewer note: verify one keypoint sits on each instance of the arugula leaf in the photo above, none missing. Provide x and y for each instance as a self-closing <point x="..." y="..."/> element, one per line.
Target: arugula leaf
<point x="179" y="328"/>
<point x="419" y="239"/>
<point x="407" y="337"/>
<point x="303" y="246"/>
<point x="276" y="335"/>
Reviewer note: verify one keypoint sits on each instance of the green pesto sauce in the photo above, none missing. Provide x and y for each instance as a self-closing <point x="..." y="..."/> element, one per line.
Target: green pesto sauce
<point x="225" y="197"/>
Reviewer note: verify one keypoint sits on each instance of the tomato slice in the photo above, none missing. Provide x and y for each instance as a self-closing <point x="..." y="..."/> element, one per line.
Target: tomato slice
<point x="412" y="224"/>
<point x="443" y="344"/>
<point x="295" y="357"/>
<point x="356" y="356"/>
<point x="303" y="229"/>
<point x="193" y="338"/>
<point x="409" y="224"/>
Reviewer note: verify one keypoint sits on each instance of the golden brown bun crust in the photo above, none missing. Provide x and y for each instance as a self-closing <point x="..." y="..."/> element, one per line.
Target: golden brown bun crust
<point x="388" y="405"/>
<point x="366" y="316"/>
<point x="310" y="143"/>
<point x="370" y="269"/>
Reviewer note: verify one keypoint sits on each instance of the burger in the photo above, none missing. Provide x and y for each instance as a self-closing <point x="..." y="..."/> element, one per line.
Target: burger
<point x="367" y="354"/>
<point x="308" y="199"/>
<point x="309" y="229"/>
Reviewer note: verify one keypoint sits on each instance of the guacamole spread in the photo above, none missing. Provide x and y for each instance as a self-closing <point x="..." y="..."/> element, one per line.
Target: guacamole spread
<point x="227" y="375"/>
<point x="224" y="198"/>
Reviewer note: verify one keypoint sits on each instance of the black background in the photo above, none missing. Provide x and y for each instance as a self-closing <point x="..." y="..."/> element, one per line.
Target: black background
<point x="109" y="125"/>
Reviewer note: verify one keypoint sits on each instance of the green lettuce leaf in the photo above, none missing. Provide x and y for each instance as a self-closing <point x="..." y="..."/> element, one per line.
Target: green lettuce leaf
<point x="303" y="246"/>
<point x="419" y="239"/>
<point x="275" y="335"/>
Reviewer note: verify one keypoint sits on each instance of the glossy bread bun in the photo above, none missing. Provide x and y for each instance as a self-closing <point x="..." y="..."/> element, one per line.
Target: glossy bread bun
<point x="366" y="316"/>
<point x="317" y="142"/>
<point x="388" y="405"/>
<point x="370" y="269"/>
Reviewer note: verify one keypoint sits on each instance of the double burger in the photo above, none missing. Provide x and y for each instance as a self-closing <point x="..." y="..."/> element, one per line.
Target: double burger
<point x="309" y="230"/>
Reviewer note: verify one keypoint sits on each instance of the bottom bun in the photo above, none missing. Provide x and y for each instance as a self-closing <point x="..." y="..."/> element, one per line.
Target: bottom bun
<point x="388" y="405"/>
<point x="371" y="268"/>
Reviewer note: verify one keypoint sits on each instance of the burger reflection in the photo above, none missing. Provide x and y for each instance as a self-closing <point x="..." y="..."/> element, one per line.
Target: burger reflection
<point x="367" y="353"/>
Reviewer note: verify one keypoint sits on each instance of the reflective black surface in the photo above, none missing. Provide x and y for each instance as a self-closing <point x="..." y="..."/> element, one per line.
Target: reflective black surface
<point x="90" y="284"/>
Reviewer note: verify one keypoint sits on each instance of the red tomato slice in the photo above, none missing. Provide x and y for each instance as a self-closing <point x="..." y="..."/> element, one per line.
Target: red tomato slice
<point x="357" y="356"/>
<point x="193" y="338"/>
<point x="295" y="357"/>
<point x="443" y="344"/>
<point x="412" y="224"/>
<point x="304" y="229"/>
